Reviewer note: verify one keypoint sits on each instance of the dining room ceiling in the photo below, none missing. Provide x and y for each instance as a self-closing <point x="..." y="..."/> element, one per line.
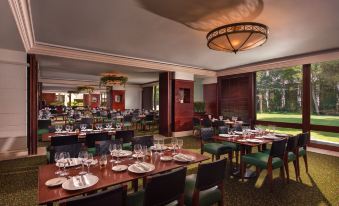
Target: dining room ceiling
<point x="175" y="31"/>
<point x="9" y="35"/>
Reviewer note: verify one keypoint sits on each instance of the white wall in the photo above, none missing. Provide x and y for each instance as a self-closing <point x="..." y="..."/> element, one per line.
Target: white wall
<point x="133" y="96"/>
<point x="13" y="100"/>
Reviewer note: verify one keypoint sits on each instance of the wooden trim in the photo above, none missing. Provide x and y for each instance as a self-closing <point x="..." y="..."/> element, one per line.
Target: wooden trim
<point x="324" y="146"/>
<point x="252" y="99"/>
<point x="324" y="128"/>
<point x="32" y="113"/>
<point x="165" y="103"/>
<point x="308" y="58"/>
<point x="306" y="98"/>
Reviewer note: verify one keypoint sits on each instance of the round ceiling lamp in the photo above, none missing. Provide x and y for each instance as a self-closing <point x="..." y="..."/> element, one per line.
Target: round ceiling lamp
<point x="237" y="37"/>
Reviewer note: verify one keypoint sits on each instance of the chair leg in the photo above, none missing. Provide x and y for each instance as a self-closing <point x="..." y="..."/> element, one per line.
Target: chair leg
<point x="296" y="170"/>
<point x="282" y="173"/>
<point x="305" y="160"/>
<point x="270" y="178"/>
<point x="230" y="157"/>
<point x="287" y="171"/>
<point x="242" y="170"/>
<point x="222" y="189"/>
<point x="217" y="157"/>
<point x="237" y="157"/>
<point x="212" y="158"/>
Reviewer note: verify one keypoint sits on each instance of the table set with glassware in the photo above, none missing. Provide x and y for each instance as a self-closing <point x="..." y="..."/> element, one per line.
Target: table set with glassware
<point x="69" y="177"/>
<point x="81" y="131"/>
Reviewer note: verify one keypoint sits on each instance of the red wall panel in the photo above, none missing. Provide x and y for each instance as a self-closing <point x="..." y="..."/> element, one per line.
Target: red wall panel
<point x="116" y="104"/>
<point x="210" y="99"/>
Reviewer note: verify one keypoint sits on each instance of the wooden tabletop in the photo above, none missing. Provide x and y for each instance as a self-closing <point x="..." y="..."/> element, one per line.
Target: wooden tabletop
<point x="106" y="176"/>
<point x="240" y="137"/>
<point x="47" y="136"/>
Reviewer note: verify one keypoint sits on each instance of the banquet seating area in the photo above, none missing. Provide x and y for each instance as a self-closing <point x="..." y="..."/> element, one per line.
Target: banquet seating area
<point x="161" y="103"/>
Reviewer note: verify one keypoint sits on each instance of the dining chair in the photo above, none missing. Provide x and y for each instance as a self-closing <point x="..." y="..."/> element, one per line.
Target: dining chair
<point x="149" y="120"/>
<point x="127" y="121"/>
<point x="291" y="156"/>
<point x="126" y="137"/>
<point x="43" y="127"/>
<point x="88" y="121"/>
<point x="271" y="161"/>
<point x="161" y="189"/>
<point x="207" y="186"/>
<point x="92" y="137"/>
<point x="114" y="196"/>
<point x="208" y="145"/>
<point x="302" y="149"/>
<point x="234" y="146"/>
<point x="146" y="140"/>
<point x="72" y="149"/>
<point x="196" y="125"/>
<point x="206" y="122"/>
<point x="64" y="140"/>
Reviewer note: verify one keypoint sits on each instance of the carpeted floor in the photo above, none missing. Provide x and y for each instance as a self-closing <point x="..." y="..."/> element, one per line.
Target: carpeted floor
<point x="18" y="183"/>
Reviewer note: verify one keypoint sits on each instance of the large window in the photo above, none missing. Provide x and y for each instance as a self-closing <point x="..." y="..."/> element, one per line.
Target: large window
<point x="279" y="95"/>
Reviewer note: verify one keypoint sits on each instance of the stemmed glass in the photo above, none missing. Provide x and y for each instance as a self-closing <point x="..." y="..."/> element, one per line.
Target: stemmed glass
<point x="58" y="163"/>
<point x="98" y="126"/>
<point x="144" y="152"/>
<point x="109" y="125"/>
<point x="67" y="128"/>
<point x="58" y="128"/>
<point x="161" y="145"/>
<point x="83" y="156"/>
<point x="103" y="160"/>
<point x="180" y="144"/>
<point x="63" y="159"/>
<point x="174" y="143"/>
<point x="83" y="127"/>
<point x="89" y="162"/>
<point x="118" y="151"/>
<point x="137" y="151"/>
<point x="70" y="128"/>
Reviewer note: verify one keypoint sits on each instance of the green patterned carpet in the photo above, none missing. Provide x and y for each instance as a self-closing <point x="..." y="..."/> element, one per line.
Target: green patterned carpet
<point x="18" y="183"/>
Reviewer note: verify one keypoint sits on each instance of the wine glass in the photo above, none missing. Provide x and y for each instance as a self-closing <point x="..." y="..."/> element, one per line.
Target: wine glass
<point x="109" y="125"/>
<point x="137" y="151"/>
<point x="180" y="144"/>
<point x="103" y="160"/>
<point x="83" y="127"/>
<point x="118" y="150"/>
<point x="70" y="128"/>
<point x="58" y="128"/>
<point x="174" y="143"/>
<point x="83" y="156"/>
<point x="161" y="145"/>
<point x="111" y="151"/>
<point x="58" y="163"/>
<point x="64" y="158"/>
<point x="89" y="162"/>
<point x="144" y="152"/>
<point x="67" y="128"/>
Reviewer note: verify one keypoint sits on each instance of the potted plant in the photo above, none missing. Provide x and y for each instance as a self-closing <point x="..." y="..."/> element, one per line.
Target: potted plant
<point x="199" y="107"/>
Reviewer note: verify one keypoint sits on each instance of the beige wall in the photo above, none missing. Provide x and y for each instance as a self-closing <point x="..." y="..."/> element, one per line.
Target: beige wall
<point x="12" y="100"/>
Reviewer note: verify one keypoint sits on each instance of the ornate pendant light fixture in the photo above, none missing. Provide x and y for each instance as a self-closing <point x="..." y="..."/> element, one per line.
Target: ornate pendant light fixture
<point x="112" y="78"/>
<point x="237" y="37"/>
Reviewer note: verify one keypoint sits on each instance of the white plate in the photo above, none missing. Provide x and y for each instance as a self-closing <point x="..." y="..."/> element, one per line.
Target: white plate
<point x="119" y="168"/>
<point x="237" y="132"/>
<point x="271" y="137"/>
<point x="138" y="156"/>
<point x="55" y="181"/>
<point x="124" y="153"/>
<point x="162" y="148"/>
<point x="166" y="158"/>
<point x="281" y="135"/>
<point x="254" y="140"/>
<point x="80" y="182"/>
<point x="140" y="168"/>
<point x="183" y="158"/>
<point x="242" y="140"/>
<point x="226" y="135"/>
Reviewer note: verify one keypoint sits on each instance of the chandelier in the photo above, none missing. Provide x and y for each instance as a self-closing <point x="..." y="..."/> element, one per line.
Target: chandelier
<point x="112" y="78"/>
<point x="85" y="89"/>
<point x="237" y="37"/>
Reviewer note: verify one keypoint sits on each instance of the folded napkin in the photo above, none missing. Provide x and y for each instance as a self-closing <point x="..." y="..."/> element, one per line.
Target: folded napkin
<point x="141" y="167"/>
<point x="225" y="135"/>
<point x="77" y="181"/>
<point x="183" y="157"/>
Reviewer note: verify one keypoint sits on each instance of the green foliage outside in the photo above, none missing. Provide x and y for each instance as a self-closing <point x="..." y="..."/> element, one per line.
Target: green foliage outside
<point x="199" y="107"/>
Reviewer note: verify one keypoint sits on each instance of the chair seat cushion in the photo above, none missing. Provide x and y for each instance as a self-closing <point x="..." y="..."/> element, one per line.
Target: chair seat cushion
<point x="234" y="146"/>
<point x="127" y="124"/>
<point x="260" y="160"/>
<point x="302" y="151"/>
<point x="216" y="148"/>
<point x="206" y="197"/>
<point x="291" y="156"/>
<point x="42" y="131"/>
<point x="135" y="198"/>
<point x="91" y="150"/>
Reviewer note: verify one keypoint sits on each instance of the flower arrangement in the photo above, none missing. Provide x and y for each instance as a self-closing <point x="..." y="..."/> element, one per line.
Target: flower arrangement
<point x="113" y="79"/>
<point x="85" y="89"/>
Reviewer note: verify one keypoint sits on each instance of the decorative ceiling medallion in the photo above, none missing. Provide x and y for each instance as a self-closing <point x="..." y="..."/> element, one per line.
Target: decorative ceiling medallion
<point x="237" y="37"/>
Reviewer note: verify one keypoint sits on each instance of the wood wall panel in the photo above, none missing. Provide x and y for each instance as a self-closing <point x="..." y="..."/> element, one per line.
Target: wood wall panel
<point x="89" y="100"/>
<point x="48" y="98"/>
<point x="236" y="96"/>
<point x="211" y="99"/>
<point x="147" y="97"/>
<point x="182" y="112"/>
<point x="118" y="105"/>
<point x="165" y="103"/>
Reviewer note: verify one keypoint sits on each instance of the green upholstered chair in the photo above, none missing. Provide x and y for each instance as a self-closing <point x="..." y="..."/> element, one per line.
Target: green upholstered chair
<point x="207" y="186"/>
<point x="126" y="137"/>
<point x="208" y="145"/>
<point x="91" y="138"/>
<point x="148" y="121"/>
<point x="43" y="127"/>
<point x="161" y="189"/>
<point x="262" y="160"/>
<point x="127" y="121"/>
<point x="302" y="149"/>
<point x="235" y="147"/>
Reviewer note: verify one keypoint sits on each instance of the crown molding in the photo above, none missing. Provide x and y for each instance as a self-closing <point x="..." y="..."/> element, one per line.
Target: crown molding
<point x="21" y="10"/>
<point x="309" y="58"/>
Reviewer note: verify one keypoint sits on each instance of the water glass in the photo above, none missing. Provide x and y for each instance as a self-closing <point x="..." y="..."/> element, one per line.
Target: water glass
<point x="144" y="152"/>
<point x="174" y="143"/>
<point x="103" y="160"/>
<point x="118" y="152"/>
<point x="108" y="125"/>
<point x="58" y="163"/>
<point x="67" y="128"/>
<point x="63" y="161"/>
<point x="137" y="151"/>
<point x="83" y="127"/>
<point x="161" y="145"/>
<point x="180" y="144"/>
<point x="89" y="161"/>
<point x="83" y="156"/>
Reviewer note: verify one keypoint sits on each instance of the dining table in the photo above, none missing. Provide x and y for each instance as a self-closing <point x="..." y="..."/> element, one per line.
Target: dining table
<point x="107" y="177"/>
<point x="246" y="142"/>
<point x="81" y="135"/>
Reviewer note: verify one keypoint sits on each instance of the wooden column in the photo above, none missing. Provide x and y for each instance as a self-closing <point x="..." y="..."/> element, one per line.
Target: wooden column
<point x="252" y="99"/>
<point x="165" y="103"/>
<point x="211" y="99"/>
<point x="306" y="104"/>
<point x="32" y="104"/>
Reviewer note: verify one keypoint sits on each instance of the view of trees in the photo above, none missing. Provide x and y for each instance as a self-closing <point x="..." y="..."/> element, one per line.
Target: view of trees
<point x="279" y="90"/>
